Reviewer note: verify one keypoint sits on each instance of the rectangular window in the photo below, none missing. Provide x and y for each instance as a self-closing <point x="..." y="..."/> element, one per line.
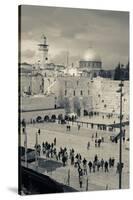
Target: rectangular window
<point x="74" y="93"/>
<point x="81" y="93"/>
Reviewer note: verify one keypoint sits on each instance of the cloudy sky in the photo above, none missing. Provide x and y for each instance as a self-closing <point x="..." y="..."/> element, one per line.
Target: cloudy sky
<point x="74" y="31"/>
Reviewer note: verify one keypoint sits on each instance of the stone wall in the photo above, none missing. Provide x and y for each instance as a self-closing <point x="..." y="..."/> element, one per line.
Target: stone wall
<point x="107" y="99"/>
<point x="99" y="94"/>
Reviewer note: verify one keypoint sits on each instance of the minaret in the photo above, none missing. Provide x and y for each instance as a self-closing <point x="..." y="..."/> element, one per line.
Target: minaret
<point x="43" y="48"/>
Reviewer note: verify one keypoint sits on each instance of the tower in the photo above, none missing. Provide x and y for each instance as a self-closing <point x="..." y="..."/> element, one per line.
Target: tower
<point x="43" y="48"/>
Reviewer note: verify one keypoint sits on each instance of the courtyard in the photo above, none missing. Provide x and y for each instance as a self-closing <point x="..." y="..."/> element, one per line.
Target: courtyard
<point x="78" y="139"/>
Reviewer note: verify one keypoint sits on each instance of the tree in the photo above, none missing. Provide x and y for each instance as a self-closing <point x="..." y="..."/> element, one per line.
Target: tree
<point x="84" y="102"/>
<point x="61" y="99"/>
<point x="66" y="104"/>
<point x="127" y="68"/>
<point x="117" y="75"/>
<point x="76" y="105"/>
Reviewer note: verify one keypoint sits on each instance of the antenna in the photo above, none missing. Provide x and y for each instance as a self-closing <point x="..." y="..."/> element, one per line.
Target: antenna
<point x="67" y="58"/>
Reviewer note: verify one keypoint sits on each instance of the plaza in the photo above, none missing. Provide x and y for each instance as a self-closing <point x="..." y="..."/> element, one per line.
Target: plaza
<point x="78" y="139"/>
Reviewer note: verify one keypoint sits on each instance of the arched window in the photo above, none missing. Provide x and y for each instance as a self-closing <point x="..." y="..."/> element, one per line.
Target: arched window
<point x="74" y="93"/>
<point x="81" y="93"/>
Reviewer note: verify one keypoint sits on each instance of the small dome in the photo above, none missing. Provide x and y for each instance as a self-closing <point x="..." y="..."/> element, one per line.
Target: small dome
<point x="91" y="55"/>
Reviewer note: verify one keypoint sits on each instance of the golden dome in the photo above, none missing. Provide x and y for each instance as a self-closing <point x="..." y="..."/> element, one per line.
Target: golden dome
<point x="91" y="55"/>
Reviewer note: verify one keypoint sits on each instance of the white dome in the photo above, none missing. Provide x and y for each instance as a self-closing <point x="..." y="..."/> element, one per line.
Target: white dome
<point x="91" y="55"/>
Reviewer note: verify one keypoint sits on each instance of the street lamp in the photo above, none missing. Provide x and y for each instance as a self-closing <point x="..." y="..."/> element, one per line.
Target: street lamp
<point x="36" y="148"/>
<point x="120" y="144"/>
<point x="25" y="141"/>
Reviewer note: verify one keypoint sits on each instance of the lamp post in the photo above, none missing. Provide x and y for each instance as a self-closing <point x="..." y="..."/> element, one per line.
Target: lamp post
<point x="120" y="144"/>
<point x="25" y="141"/>
<point x="36" y="148"/>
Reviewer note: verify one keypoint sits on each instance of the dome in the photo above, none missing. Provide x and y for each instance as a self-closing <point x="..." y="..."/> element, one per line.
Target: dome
<point x="91" y="55"/>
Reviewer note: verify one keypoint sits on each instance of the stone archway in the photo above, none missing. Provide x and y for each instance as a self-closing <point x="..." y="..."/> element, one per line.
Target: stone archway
<point x="86" y="113"/>
<point x="46" y="118"/>
<point x="39" y="119"/>
<point x="60" y="117"/>
<point x="53" y="118"/>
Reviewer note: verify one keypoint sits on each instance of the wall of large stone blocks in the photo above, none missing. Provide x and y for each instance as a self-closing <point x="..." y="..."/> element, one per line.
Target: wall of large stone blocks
<point x="38" y="102"/>
<point x="98" y="94"/>
<point x="73" y="91"/>
<point x="107" y="99"/>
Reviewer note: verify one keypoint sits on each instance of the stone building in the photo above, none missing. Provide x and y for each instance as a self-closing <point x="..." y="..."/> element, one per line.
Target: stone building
<point x="78" y="90"/>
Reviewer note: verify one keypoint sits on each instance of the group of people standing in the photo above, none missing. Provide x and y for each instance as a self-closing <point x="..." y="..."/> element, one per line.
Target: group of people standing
<point x="93" y="166"/>
<point x="83" y="166"/>
<point x="97" y="141"/>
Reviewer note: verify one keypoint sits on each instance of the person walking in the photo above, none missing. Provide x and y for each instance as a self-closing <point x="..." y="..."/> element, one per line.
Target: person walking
<point x="95" y="142"/>
<point x="85" y="169"/>
<point x="88" y="146"/>
<point x="117" y="168"/>
<point x="96" y="135"/>
<point x="96" y="158"/>
<point x="94" y="166"/>
<point x="98" y="165"/>
<point x="81" y="181"/>
<point x="90" y="166"/>
<point x="55" y="141"/>
<point x="64" y="161"/>
<point x="113" y="162"/>
<point x="85" y="166"/>
<point x="72" y="160"/>
<point x="110" y="162"/>
<point x="102" y="163"/>
<point x="99" y="142"/>
<point x="92" y="137"/>
<point x="106" y="166"/>
<point x="84" y="161"/>
<point x="80" y="171"/>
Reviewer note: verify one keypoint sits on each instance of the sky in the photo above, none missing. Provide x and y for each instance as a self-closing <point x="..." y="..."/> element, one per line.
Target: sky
<point x="75" y="31"/>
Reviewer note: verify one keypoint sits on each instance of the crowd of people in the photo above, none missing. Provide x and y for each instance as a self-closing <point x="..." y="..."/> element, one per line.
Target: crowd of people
<point x="93" y="165"/>
<point x="83" y="166"/>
